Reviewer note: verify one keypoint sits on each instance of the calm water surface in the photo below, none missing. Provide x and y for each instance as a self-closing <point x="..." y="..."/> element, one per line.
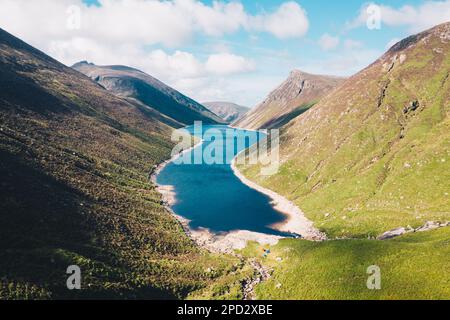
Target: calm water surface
<point x="211" y="196"/>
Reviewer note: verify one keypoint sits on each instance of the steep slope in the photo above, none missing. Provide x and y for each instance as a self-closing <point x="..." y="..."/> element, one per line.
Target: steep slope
<point x="229" y="112"/>
<point x="293" y="97"/>
<point x="375" y="154"/>
<point x="74" y="162"/>
<point x="133" y="84"/>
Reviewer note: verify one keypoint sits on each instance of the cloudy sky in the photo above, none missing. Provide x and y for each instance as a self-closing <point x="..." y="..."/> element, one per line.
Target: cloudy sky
<point x="220" y="50"/>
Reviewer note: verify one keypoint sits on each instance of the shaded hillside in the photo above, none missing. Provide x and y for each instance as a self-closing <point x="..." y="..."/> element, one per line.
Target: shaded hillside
<point x="374" y="155"/>
<point x="74" y="162"/>
<point x="133" y="84"/>
<point x="292" y="98"/>
<point x="229" y="112"/>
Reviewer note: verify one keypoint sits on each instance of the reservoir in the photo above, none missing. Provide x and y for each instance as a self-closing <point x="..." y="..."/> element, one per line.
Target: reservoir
<point x="210" y="195"/>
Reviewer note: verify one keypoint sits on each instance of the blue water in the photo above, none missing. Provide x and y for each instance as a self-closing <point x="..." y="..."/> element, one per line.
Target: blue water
<point x="211" y="196"/>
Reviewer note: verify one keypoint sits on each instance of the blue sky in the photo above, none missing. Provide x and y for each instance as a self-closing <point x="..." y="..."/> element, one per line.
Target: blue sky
<point x="220" y="50"/>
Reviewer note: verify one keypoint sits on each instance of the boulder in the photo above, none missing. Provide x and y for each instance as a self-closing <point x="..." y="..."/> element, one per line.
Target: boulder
<point x="430" y="225"/>
<point x="392" y="233"/>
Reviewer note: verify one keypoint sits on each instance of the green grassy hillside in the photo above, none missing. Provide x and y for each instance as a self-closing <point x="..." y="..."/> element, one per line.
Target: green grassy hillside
<point x="412" y="267"/>
<point x="375" y="154"/>
<point x="75" y="163"/>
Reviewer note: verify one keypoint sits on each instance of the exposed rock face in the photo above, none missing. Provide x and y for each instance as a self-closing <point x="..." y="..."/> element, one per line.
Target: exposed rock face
<point x="431" y="225"/>
<point x="428" y="226"/>
<point x="229" y="112"/>
<point x="394" y="233"/>
<point x="293" y="97"/>
<point x="146" y="91"/>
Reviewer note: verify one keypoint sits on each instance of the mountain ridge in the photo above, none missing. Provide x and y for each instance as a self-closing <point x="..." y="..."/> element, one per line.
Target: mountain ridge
<point x="131" y="83"/>
<point x="228" y="111"/>
<point x="291" y="98"/>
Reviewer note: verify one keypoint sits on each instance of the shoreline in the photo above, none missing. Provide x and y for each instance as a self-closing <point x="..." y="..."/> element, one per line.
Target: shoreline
<point x="296" y="221"/>
<point x="227" y="242"/>
<point x="203" y="237"/>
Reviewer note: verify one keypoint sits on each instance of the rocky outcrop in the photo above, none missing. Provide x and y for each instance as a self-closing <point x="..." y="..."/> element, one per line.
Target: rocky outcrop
<point x="430" y="225"/>
<point x="395" y="233"/>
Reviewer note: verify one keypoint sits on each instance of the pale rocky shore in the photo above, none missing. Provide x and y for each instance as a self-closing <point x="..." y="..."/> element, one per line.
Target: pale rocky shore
<point x="227" y="242"/>
<point x="295" y="222"/>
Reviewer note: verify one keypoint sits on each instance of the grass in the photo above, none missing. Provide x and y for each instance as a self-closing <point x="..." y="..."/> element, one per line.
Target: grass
<point x="414" y="266"/>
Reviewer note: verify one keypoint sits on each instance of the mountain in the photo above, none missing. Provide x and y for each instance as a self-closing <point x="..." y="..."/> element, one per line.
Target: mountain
<point x="374" y="154"/>
<point x="74" y="162"/>
<point x="230" y="112"/>
<point x="143" y="89"/>
<point x="293" y="97"/>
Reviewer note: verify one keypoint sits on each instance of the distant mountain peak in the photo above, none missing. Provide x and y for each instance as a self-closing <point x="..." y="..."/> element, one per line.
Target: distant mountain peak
<point x="82" y="63"/>
<point x="293" y="97"/>
<point x="228" y="111"/>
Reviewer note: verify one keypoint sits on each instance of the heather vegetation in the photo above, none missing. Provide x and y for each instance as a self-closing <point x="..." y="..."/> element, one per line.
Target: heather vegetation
<point x="75" y="163"/>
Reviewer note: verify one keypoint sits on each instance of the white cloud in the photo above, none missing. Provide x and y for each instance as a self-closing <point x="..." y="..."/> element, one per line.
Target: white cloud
<point x="417" y="18"/>
<point x="328" y="42"/>
<point x="179" y="65"/>
<point x="215" y="20"/>
<point x="170" y="23"/>
<point x="227" y="63"/>
<point x="146" y="34"/>
<point x="289" y="21"/>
